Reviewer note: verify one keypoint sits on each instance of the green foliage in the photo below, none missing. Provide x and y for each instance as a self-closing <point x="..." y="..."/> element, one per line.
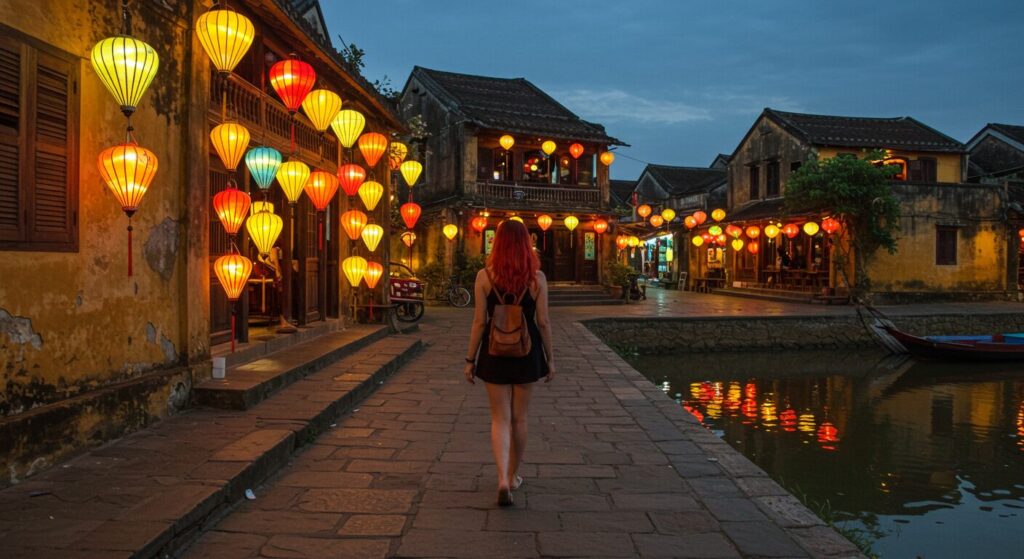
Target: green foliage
<point x="467" y="267"/>
<point x="618" y="274"/>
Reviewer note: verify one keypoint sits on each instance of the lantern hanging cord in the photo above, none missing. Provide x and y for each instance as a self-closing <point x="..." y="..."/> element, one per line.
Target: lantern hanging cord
<point x="126" y="19"/>
<point x="130" y="229"/>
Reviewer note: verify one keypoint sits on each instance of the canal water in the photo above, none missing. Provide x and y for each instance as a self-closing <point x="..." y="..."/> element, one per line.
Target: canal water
<point x="924" y="458"/>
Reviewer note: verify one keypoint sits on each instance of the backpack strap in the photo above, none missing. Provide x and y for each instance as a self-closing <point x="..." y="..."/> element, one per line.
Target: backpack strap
<point x="525" y="290"/>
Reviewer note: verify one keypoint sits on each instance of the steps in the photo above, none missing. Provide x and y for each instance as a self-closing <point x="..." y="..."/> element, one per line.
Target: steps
<point x="579" y="295"/>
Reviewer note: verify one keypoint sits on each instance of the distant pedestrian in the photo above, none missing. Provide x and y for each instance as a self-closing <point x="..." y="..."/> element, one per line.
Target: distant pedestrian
<point x="512" y="277"/>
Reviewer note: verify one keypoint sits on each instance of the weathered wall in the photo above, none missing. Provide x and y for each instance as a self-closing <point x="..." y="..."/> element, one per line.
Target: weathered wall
<point x="981" y="265"/>
<point x="767" y="141"/>
<point x="948" y="165"/>
<point x="72" y="323"/>
<point x="441" y="160"/>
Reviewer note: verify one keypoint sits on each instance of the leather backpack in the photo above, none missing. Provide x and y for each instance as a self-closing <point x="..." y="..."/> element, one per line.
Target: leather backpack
<point x="508" y="335"/>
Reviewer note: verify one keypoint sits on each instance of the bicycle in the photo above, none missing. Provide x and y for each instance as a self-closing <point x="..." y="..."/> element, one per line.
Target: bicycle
<point x="452" y="291"/>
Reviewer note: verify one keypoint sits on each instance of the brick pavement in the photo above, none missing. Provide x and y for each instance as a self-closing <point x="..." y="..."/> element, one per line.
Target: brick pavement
<point x="614" y="469"/>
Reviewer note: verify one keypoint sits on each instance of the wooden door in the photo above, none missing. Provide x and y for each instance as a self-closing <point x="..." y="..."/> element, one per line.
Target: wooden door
<point x="588" y="252"/>
<point x="564" y="258"/>
<point x="310" y="303"/>
<point x="546" y="251"/>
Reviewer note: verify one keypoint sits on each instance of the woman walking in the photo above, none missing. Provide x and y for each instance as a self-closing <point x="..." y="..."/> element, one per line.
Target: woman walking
<point x="512" y="275"/>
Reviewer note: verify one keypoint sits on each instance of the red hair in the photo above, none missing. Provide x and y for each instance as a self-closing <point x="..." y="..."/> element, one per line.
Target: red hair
<point x="513" y="261"/>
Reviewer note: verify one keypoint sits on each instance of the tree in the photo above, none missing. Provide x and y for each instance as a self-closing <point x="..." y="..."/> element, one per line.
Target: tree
<point x="858" y="192"/>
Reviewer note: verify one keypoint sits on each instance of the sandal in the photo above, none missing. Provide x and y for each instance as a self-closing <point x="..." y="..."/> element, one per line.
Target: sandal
<point x="505" y="497"/>
<point x="518" y="482"/>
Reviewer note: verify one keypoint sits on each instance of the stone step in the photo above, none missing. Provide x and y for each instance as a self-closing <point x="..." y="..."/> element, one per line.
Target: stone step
<point x="596" y="301"/>
<point x="576" y="295"/>
<point x="248" y="384"/>
<point x="766" y="294"/>
<point x="260" y="346"/>
<point x="151" y="493"/>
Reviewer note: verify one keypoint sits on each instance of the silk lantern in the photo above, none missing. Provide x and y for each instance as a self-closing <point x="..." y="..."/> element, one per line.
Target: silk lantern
<point x="351" y="177"/>
<point x="354" y="268"/>
<point x="657" y="221"/>
<point x="374" y="271"/>
<point x="690" y="222"/>
<point x="292" y="79"/>
<point x="258" y="206"/>
<point x="753" y="232"/>
<point x="634" y="241"/>
<point x="128" y="170"/>
<point x="372" y="145"/>
<point x="372" y="234"/>
<point x="718" y="214"/>
<point x="715" y="230"/>
<point x="264" y="228"/>
<point x="753" y="247"/>
<point x="811" y="228"/>
<point x="607" y="158"/>
<point x="737" y="244"/>
<point x="410" y="214"/>
<point x="733" y="231"/>
<point x="347" y="126"/>
<point x="830" y="225"/>
<point x="700" y="217"/>
<point x="353" y="221"/>
<point x="548" y="147"/>
<point x="450" y="231"/>
<point x="516" y="218"/>
<point x="790" y="230"/>
<point x="370" y="192"/>
<point x="396" y="155"/>
<point x="479" y="223"/>
<point x="544" y="221"/>
<point x="321" y="106"/>
<point x="668" y="214"/>
<point x="697" y="240"/>
<point x="771" y="231"/>
<point x="571" y="222"/>
<point x="507" y="142"/>
<point x="126" y="66"/>
<point x="226" y="36"/>
<point x="643" y="211"/>
<point x="320" y="188"/>
<point x="231" y="206"/>
<point x="622" y="242"/>
<point x="576" y="150"/>
<point x="230" y="140"/>
<point x="600" y="226"/>
<point x="233" y="273"/>
<point x="410" y="171"/>
<point x="408" y="238"/>
<point x="263" y="163"/>
<point x="292" y="176"/>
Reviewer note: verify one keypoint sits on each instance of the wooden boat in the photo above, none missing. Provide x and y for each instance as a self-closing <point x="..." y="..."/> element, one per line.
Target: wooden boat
<point x="995" y="347"/>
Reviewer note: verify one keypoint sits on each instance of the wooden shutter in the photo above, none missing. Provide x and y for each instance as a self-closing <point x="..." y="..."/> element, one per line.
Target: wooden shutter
<point x="10" y="129"/>
<point x="53" y="218"/>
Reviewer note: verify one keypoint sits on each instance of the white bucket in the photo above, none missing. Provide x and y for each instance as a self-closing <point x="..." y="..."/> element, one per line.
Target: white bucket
<point x="219" y="367"/>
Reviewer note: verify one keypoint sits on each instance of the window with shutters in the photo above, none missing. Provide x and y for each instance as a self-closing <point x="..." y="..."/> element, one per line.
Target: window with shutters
<point x="772" y="179"/>
<point x="923" y="169"/>
<point x="755" y="182"/>
<point x="945" y="245"/>
<point x="38" y="146"/>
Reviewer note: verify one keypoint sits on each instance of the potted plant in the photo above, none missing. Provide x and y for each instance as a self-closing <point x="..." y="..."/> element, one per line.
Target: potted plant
<point x="617" y="277"/>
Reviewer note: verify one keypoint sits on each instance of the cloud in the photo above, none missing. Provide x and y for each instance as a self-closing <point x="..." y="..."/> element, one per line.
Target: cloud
<point x="615" y="105"/>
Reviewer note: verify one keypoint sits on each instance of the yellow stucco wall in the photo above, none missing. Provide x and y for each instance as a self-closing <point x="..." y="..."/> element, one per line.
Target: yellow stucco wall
<point x="948" y="165"/>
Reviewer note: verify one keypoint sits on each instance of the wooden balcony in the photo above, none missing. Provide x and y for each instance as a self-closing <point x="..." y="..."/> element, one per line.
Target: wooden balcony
<point x="534" y="196"/>
<point x="270" y="123"/>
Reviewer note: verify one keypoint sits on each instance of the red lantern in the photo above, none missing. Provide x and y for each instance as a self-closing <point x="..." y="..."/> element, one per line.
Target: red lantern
<point x="479" y="223"/>
<point x="353" y="221"/>
<point x="720" y="239"/>
<point x="708" y="238"/>
<point x="351" y="177"/>
<point x="830" y="225"/>
<point x="576" y="150"/>
<point x="828" y="435"/>
<point x="600" y="226"/>
<point x="292" y="80"/>
<point x="622" y="242"/>
<point x="690" y="222"/>
<point x="410" y="214"/>
<point x="733" y="231"/>
<point x="231" y="205"/>
<point x="753" y="247"/>
<point x="700" y="217"/>
<point x="791" y="230"/>
<point x="320" y="188"/>
<point x="372" y="145"/>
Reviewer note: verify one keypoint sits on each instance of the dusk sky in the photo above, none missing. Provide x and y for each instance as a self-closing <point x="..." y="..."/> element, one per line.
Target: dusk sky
<point x="681" y="81"/>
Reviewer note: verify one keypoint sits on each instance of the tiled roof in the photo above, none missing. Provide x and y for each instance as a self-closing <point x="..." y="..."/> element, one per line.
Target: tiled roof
<point x="761" y="209"/>
<point x="1013" y="131"/>
<point x="681" y="181"/>
<point x="512" y="105"/>
<point x="846" y="131"/>
<point x="621" y="191"/>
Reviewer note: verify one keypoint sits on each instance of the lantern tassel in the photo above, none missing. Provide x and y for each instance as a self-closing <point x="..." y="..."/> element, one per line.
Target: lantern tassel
<point x="129" y="247"/>
<point x="293" y="134"/>
<point x="232" y="329"/>
<point x="320" y="236"/>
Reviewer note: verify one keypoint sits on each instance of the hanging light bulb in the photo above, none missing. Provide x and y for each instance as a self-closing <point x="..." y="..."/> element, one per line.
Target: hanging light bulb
<point x="548" y="147"/>
<point x="292" y="79"/>
<point x="411" y="171"/>
<point x="374" y="271"/>
<point x="263" y="163"/>
<point x="354" y="268"/>
<point x="607" y="158"/>
<point x="351" y="177"/>
<point x="321" y="106"/>
<point x="320" y="187"/>
<point x="347" y="126"/>
<point x="292" y="176"/>
<point x="226" y="36"/>
<point x="372" y="145"/>
<point x="396" y="155"/>
<point x="231" y="206"/>
<point x="410" y="214"/>
<point x="576" y="150"/>
<point x="571" y="222"/>
<point x="450" y="231"/>
<point x="230" y="140"/>
<point x="408" y="238"/>
<point x="372" y="234"/>
<point x="370" y="192"/>
<point x="600" y="226"/>
<point x="353" y="221"/>
<point x="126" y="66"/>
<point x="544" y="221"/>
<point x="264" y="228"/>
<point x="507" y="142"/>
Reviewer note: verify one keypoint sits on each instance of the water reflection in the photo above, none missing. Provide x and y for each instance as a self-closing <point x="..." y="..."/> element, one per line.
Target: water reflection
<point x="902" y="447"/>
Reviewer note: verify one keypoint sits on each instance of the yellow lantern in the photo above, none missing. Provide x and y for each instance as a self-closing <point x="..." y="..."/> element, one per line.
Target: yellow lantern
<point x="354" y="268"/>
<point x="321" y="106"/>
<point x="126" y="66"/>
<point x="372" y="234"/>
<point x="548" y="147"/>
<point x="264" y="228"/>
<point x="226" y="36"/>
<point x="408" y="238"/>
<point x="516" y="218"/>
<point x="348" y="125"/>
<point x="668" y="214"/>
<point x="370" y="192"/>
<point x="410" y="171"/>
<point x="233" y="273"/>
<point x="697" y="240"/>
<point x="261" y="206"/>
<point x="669" y="255"/>
<point x="230" y="140"/>
<point x="571" y="222"/>
<point x="507" y="142"/>
<point x="737" y="244"/>
<point x="771" y="231"/>
<point x="353" y="222"/>
<point x="396" y="155"/>
<point x="450" y="231"/>
<point x="811" y="228"/>
<point x="718" y="214"/>
<point x="292" y="176"/>
<point x="634" y="241"/>
<point x="607" y="158"/>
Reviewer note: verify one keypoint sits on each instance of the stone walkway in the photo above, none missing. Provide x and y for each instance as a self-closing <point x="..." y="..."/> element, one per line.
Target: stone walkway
<point x="615" y="469"/>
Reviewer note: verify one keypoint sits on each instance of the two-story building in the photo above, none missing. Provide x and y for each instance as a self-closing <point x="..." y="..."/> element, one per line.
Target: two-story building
<point x="470" y="174"/>
<point x="952" y="236"/>
<point x="996" y="156"/>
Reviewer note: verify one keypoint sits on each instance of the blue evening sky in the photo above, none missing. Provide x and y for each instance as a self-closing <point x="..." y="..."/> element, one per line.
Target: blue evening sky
<point x="683" y="80"/>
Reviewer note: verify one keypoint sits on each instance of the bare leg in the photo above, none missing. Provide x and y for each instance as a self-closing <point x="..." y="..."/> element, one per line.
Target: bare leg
<point x="520" y="406"/>
<point x="500" y="396"/>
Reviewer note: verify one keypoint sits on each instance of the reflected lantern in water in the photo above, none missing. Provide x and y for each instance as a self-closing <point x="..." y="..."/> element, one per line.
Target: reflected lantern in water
<point x="806" y="423"/>
<point x="828" y="435"/>
<point x="788" y="420"/>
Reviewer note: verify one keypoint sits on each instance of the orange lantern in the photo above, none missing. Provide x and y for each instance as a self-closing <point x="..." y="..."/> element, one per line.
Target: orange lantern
<point x="753" y="247"/>
<point x="690" y="222"/>
<point x="233" y="273"/>
<point x="230" y="140"/>
<point x="718" y="214"/>
<point x="831" y="225"/>
<point x="828" y="435"/>
<point x="607" y="158"/>
<point x="643" y="211"/>
<point x="396" y="155"/>
<point x="370" y="192"/>
<point x="320" y="188"/>
<point x="720" y="239"/>
<point x="374" y="271"/>
<point x="321" y="106"/>
<point x="700" y="217"/>
<point x="479" y="223"/>
<point x="351" y="177"/>
<point x="657" y="221"/>
<point x="408" y="238"/>
<point x="791" y="230"/>
<point x="544" y="221"/>
<point x="128" y="170"/>
<point x="354" y="268"/>
<point x="733" y="231"/>
<point x="576" y="150"/>
<point x="231" y="205"/>
<point x="353" y="221"/>
<point x="600" y="226"/>
<point x="372" y="145"/>
<point x="292" y="80"/>
<point x="410" y="214"/>
<point x="292" y="176"/>
<point x="622" y="242"/>
<point x="753" y="232"/>
<point x="771" y="231"/>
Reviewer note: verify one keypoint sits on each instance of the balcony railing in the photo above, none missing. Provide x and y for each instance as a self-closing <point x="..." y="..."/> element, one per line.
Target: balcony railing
<point x="262" y="113"/>
<point x="521" y="195"/>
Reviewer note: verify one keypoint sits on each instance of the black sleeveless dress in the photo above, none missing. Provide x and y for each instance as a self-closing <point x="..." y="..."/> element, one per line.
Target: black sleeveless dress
<point x="513" y="370"/>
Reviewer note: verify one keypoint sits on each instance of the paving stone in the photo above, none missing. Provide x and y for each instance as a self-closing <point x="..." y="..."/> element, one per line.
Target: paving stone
<point x="655" y="502"/>
<point x="734" y="509"/>
<point x="375" y="466"/>
<point x="373" y="525"/>
<point x="449" y="519"/>
<point x="296" y="547"/>
<point x="584" y="544"/>
<point x="223" y="545"/>
<point x="265" y="522"/>
<point x="788" y="512"/>
<point x="762" y="539"/>
<point x="709" y="546"/>
<point x="521" y="520"/>
<point x="569" y="502"/>
<point x="466" y="543"/>
<point x="617" y="521"/>
<point x="144" y="538"/>
<point x="680" y="523"/>
<point x="589" y="471"/>
<point x="313" y="479"/>
<point x="824" y="540"/>
<point x="375" y="501"/>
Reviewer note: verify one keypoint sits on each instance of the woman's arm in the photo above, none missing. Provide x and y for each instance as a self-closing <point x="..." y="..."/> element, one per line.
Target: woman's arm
<point x="476" y="332"/>
<point x="544" y="323"/>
